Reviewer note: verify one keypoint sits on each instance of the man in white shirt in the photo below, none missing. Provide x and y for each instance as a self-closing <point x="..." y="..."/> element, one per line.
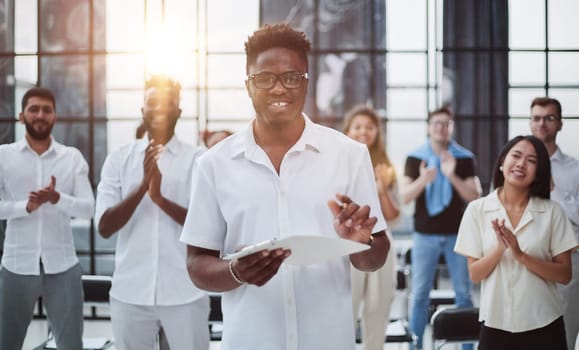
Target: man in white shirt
<point x="42" y="185"/>
<point x="282" y="176"/>
<point x="143" y="197"/>
<point x="546" y="121"/>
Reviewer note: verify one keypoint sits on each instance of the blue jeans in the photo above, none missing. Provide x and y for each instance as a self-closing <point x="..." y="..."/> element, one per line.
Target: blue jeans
<point x="426" y="251"/>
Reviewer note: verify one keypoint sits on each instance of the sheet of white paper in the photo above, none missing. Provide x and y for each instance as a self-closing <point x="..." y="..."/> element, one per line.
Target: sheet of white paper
<point x="305" y="249"/>
<point x="87" y="343"/>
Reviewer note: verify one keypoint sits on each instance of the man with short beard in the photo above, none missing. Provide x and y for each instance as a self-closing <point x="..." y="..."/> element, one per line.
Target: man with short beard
<point x="42" y="185"/>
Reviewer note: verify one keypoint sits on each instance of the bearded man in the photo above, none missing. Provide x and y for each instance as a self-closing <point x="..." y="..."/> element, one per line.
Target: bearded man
<point x="43" y="184"/>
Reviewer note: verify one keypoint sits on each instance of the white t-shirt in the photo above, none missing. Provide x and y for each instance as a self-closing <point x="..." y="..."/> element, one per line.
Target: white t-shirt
<point x="46" y="233"/>
<point x="513" y="298"/>
<point x="238" y="199"/>
<point x="150" y="260"/>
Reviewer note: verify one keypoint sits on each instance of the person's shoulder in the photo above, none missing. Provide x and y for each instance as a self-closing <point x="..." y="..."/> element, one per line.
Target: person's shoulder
<point x="335" y="139"/>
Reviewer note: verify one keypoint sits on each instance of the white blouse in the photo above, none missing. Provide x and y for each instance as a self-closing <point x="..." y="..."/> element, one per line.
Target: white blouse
<point x="513" y="298"/>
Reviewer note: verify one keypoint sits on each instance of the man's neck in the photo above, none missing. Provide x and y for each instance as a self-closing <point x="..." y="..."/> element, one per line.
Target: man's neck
<point x="438" y="146"/>
<point x="551" y="147"/>
<point x="160" y="138"/>
<point x="286" y="135"/>
<point x="38" y="146"/>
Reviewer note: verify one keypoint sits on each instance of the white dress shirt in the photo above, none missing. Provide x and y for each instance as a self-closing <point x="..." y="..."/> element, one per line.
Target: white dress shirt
<point x="513" y="298"/>
<point x="44" y="235"/>
<point x="237" y="198"/>
<point x="150" y="261"/>
<point x="565" y="171"/>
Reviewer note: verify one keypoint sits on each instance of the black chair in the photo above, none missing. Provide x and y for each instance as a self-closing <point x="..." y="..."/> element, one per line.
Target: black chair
<point x="215" y="317"/>
<point x="454" y="325"/>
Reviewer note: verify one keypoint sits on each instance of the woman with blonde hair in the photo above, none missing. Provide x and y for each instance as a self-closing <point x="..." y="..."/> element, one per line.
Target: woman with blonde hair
<point x="373" y="291"/>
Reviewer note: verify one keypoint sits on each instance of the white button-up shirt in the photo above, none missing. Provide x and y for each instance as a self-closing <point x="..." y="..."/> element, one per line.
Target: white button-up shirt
<point x="150" y="261"/>
<point x="565" y="171"/>
<point x="44" y="235"/>
<point x="513" y="298"/>
<point x="239" y="199"/>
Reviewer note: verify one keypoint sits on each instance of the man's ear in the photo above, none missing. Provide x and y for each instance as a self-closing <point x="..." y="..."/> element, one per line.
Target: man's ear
<point x="21" y="117"/>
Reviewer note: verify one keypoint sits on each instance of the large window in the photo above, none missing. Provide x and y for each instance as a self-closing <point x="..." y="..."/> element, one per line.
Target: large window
<point x="96" y="55"/>
<point x="544" y="51"/>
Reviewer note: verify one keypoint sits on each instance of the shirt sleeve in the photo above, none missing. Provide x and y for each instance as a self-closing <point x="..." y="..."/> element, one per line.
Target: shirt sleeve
<point x="469" y="239"/>
<point x="109" y="188"/>
<point x="562" y="236"/>
<point x="411" y="168"/>
<point x="9" y="209"/>
<point x="205" y="225"/>
<point x="79" y="203"/>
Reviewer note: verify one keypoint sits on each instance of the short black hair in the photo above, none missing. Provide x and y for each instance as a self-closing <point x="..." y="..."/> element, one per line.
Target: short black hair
<point x="545" y="101"/>
<point x="38" y="92"/>
<point x="163" y="81"/>
<point x="278" y="35"/>
<point x="541" y="186"/>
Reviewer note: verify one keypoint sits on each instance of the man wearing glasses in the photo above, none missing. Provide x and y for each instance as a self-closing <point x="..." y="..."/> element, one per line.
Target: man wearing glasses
<point x="282" y="176"/>
<point x="440" y="177"/>
<point x="545" y="123"/>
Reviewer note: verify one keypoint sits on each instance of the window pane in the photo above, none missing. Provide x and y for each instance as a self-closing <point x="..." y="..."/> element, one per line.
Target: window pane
<point x="406" y="103"/>
<point x="67" y="76"/>
<point x="563" y="22"/>
<point x="518" y="127"/>
<point x="182" y="18"/>
<point x="406" y="24"/>
<point x="229" y="104"/>
<point x="120" y="133"/>
<point x="520" y="100"/>
<point x="526" y="24"/>
<point x="125" y="71"/>
<point x="189" y="105"/>
<point x="124" y="104"/>
<point x="64" y="25"/>
<point x="125" y="33"/>
<point x="406" y="69"/>
<point x="401" y="139"/>
<point x="244" y="18"/>
<point x="226" y="71"/>
<point x="26" y="70"/>
<point x="564" y="68"/>
<point x="568" y="99"/>
<point x="567" y="137"/>
<point x="187" y="131"/>
<point x="26" y="26"/>
<point x="526" y="68"/>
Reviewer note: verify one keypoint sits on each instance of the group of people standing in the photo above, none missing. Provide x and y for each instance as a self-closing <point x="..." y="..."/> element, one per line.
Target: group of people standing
<point x="177" y="211"/>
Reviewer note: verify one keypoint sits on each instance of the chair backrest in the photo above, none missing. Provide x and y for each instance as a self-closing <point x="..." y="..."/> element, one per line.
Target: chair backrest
<point x="96" y="289"/>
<point x="455" y="325"/>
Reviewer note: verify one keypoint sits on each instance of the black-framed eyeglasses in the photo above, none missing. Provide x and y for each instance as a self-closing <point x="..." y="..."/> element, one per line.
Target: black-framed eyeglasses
<point x="289" y="80"/>
<point x="548" y="118"/>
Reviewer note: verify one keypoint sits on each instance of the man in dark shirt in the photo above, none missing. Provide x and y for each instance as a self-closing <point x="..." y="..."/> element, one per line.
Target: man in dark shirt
<point x="440" y="177"/>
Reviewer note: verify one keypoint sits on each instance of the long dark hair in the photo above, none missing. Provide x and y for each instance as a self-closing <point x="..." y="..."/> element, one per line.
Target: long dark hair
<point x="541" y="186"/>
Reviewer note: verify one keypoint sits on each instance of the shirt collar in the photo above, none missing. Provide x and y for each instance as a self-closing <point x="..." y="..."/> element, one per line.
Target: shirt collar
<point x="172" y="146"/>
<point x="558" y="155"/>
<point x="23" y="145"/>
<point x="493" y="203"/>
<point x="245" y="143"/>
